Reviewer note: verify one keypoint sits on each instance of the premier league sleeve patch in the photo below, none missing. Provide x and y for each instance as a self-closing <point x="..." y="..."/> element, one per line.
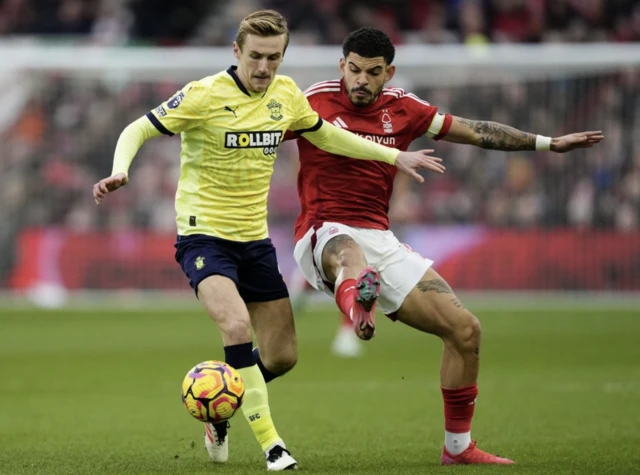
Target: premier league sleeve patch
<point x="175" y="101"/>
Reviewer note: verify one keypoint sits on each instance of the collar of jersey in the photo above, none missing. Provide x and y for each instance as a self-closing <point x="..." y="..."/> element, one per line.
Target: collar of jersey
<point x="232" y="72"/>
<point x="344" y="97"/>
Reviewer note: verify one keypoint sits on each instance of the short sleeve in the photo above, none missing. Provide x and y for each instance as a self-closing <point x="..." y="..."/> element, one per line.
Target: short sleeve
<point x="183" y="111"/>
<point x="427" y="119"/>
<point x="306" y="119"/>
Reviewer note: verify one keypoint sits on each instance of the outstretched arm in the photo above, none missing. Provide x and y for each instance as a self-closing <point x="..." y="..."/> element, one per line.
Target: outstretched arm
<point x="495" y="136"/>
<point x="341" y="142"/>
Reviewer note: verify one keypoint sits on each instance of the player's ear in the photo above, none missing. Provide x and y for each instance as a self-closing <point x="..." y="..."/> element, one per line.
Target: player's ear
<point x="391" y="70"/>
<point x="236" y="50"/>
<point x="342" y="65"/>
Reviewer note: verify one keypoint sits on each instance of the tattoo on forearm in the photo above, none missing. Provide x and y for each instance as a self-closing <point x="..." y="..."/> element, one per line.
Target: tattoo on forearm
<point x="495" y="136"/>
<point x="456" y="302"/>
<point x="337" y="244"/>
<point x="438" y="286"/>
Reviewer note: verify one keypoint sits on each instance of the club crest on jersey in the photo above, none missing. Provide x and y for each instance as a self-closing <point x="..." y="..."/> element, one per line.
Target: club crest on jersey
<point x="387" y="126"/>
<point x="276" y="109"/>
<point x="175" y="101"/>
<point x="268" y="141"/>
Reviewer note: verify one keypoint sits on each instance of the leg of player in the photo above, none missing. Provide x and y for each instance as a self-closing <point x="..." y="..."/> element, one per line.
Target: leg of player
<point x="432" y="307"/>
<point x="346" y="344"/>
<point x="224" y="305"/>
<point x="276" y="354"/>
<point x="277" y="349"/>
<point x="357" y="286"/>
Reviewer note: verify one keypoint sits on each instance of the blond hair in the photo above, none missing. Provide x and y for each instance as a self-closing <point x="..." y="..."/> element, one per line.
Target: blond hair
<point x="263" y="23"/>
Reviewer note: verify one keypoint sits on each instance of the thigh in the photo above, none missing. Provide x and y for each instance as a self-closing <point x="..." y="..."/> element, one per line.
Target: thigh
<point x="274" y="328"/>
<point x="259" y="277"/>
<point x="220" y="298"/>
<point x="309" y="251"/>
<point x="326" y="241"/>
<point x="211" y="264"/>
<point x="433" y="307"/>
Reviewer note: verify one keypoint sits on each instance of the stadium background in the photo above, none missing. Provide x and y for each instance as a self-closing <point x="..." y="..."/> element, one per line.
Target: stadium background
<point x="92" y="386"/>
<point x="527" y="221"/>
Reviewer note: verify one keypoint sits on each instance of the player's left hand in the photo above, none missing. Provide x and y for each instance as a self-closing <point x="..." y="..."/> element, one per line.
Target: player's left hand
<point x="410" y="162"/>
<point x="578" y="140"/>
<point x="107" y="185"/>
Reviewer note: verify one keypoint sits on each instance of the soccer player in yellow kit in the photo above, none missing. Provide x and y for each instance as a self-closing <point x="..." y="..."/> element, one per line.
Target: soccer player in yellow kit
<point x="231" y="124"/>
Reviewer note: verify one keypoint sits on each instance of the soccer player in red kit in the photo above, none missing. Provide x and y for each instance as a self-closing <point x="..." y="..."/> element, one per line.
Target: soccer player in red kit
<point x="343" y="242"/>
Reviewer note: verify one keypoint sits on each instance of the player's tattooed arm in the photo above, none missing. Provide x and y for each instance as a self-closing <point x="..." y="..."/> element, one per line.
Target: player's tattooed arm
<point x="489" y="135"/>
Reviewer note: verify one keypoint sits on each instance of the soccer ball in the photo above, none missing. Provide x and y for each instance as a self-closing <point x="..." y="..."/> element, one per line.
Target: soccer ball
<point x="212" y="391"/>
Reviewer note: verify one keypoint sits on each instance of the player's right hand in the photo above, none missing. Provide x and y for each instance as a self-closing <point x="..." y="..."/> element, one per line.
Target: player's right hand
<point x="409" y="162"/>
<point x="107" y="185"/>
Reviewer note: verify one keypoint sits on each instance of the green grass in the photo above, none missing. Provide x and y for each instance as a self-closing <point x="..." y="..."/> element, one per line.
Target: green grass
<point x="98" y="393"/>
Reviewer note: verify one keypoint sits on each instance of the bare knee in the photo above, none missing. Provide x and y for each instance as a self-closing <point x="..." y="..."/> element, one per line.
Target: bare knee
<point x="235" y="331"/>
<point x="466" y="333"/>
<point x="282" y="361"/>
<point x="220" y="298"/>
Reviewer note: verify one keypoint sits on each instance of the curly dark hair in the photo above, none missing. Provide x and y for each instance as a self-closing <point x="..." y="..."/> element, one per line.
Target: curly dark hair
<point x="369" y="43"/>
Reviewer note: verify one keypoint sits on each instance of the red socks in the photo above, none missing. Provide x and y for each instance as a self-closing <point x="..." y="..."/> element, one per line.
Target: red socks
<point x="459" y="404"/>
<point x="345" y="297"/>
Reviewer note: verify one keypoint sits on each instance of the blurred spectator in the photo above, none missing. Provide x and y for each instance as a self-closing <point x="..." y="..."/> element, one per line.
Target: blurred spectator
<point x="514" y="21"/>
<point x="472" y="23"/>
<point x="211" y="22"/>
<point x="63" y="137"/>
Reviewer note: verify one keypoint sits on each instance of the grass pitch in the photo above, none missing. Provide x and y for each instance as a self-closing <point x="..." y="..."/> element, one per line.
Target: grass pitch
<point x="99" y="393"/>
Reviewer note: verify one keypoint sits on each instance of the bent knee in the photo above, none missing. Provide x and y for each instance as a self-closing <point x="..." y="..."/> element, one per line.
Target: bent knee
<point x="282" y="362"/>
<point x="282" y="365"/>
<point x="236" y="331"/>
<point x="466" y="332"/>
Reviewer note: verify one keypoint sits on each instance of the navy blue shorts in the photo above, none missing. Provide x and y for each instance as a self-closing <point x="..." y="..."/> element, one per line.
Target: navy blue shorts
<point x="252" y="265"/>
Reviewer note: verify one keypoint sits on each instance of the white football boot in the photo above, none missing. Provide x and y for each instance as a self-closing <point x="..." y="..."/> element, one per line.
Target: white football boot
<point x="216" y="441"/>
<point x="346" y="344"/>
<point x="279" y="458"/>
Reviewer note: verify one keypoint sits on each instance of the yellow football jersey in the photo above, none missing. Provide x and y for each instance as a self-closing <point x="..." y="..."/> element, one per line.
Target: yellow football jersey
<point x="229" y="141"/>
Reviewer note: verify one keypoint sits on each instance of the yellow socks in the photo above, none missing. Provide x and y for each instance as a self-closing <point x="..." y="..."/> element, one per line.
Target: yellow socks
<point x="255" y="407"/>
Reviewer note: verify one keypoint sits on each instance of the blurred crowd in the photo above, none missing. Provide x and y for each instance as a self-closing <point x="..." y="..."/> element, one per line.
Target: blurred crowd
<point x="59" y="138"/>
<point x="213" y="22"/>
<point x="63" y="142"/>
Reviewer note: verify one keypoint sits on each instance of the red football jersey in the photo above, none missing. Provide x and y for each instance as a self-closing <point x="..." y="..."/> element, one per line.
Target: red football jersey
<point x="357" y="192"/>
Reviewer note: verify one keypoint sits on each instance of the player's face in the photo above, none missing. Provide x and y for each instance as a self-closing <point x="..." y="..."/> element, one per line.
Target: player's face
<point x="364" y="78"/>
<point x="258" y="60"/>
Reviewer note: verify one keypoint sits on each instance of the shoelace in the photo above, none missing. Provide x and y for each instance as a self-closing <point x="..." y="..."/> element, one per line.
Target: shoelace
<point x="221" y="431"/>
<point x="276" y="452"/>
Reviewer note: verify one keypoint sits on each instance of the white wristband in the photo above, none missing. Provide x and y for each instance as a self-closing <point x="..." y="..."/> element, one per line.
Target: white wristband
<point x="543" y="144"/>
